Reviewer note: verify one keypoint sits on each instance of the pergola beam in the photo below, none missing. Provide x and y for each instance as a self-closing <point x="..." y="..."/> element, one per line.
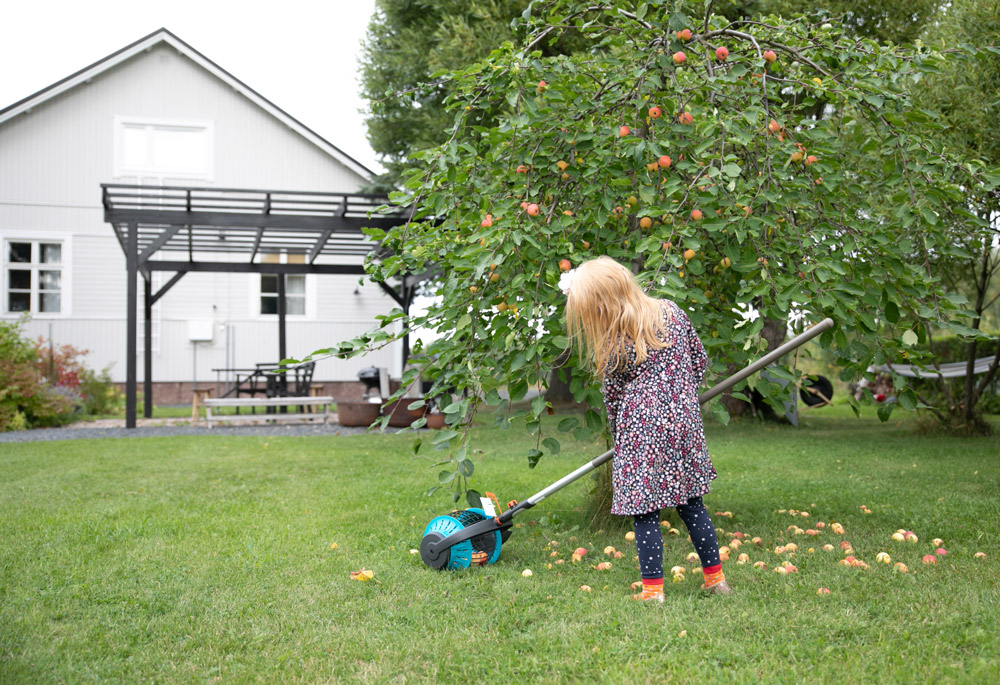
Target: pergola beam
<point x="255" y="268"/>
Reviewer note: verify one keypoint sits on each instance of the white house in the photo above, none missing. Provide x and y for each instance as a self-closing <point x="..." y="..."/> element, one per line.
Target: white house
<point x="160" y="113"/>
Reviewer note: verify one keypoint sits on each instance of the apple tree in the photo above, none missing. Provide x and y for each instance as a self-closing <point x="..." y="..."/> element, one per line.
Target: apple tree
<point x="684" y="145"/>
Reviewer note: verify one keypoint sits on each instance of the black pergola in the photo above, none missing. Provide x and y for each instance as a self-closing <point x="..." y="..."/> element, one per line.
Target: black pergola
<point x="182" y="229"/>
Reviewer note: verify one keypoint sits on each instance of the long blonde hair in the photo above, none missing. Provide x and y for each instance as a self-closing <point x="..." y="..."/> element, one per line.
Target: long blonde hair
<point x="605" y="310"/>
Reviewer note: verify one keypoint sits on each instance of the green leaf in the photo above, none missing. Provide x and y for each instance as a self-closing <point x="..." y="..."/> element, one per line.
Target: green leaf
<point x="720" y="413"/>
<point x="885" y="410"/>
<point x="445" y="477"/>
<point x="568" y="424"/>
<point x="551" y="444"/>
<point x="472" y="497"/>
<point x="909" y="338"/>
<point x="891" y="312"/>
<point x="466" y="467"/>
<point x="538" y="405"/>
<point x="594" y="420"/>
<point x="533" y="456"/>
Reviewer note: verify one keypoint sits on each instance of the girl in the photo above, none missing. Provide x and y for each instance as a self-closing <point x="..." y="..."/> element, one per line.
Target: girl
<point x="651" y="364"/>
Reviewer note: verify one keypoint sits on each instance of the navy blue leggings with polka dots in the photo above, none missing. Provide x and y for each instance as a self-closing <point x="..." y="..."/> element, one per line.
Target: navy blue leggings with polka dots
<point x="649" y="540"/>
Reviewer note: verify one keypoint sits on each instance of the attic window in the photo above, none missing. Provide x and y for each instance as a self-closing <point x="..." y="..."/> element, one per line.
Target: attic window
<point x="164" y="149"/>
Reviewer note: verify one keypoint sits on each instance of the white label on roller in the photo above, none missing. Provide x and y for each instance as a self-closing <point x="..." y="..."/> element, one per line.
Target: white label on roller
<point x="488" y="506"/>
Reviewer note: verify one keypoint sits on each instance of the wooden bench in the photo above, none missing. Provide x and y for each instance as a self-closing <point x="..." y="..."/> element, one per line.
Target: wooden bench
<point x="323" y="402"/>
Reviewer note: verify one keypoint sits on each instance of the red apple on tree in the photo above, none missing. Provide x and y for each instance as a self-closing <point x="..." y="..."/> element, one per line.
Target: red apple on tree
<point x="680" y="57"/>
<point x="773" y="126"/>
<point x="696" y="215"/>
<point x="684" y="35"/>
<point x="685" y="117"/>
<point x="533" y="209"/>
<point x="487" y="222"/>
<point x="542" y="85"/>
<point x="721" y="53"/>
<point x="522" y="169"/>
<point x="655" y="112"/>
<point x="769" y="56"/>
<point x="664" y="161"/>
<point x="565" y="265"/>
<point x="623" y="131"/>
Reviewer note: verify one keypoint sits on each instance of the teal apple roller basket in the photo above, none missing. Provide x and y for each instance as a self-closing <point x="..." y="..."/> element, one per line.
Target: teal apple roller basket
<point x="474" y="537"/>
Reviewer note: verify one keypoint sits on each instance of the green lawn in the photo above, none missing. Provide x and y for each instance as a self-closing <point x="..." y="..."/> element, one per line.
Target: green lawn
<point x="208" y="559"/>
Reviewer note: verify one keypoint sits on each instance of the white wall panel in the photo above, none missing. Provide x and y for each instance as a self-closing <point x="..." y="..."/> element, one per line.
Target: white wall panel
<point x="53" y="160"/>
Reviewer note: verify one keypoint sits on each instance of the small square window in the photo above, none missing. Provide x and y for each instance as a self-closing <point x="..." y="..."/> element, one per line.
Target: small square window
<point x="19" y="302"/>
<point x="51" y="253"/>
<point x="19" y="252"/>
<point x="50" y="303"/>
<point x="19" y="279"/>
<point x="49" y="280"/>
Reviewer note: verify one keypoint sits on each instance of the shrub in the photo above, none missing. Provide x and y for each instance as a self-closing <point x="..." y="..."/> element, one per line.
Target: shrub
<point x="98" y="394"/>
<point x="26" y="397"/>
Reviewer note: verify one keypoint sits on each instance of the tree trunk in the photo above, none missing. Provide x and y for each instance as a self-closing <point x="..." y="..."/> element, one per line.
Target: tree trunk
<point x="559" y="391"/>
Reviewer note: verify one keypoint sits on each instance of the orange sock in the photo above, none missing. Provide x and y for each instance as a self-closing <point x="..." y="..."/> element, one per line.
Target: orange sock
<point x="652" y="588"/>
<point x="713" y="577"/>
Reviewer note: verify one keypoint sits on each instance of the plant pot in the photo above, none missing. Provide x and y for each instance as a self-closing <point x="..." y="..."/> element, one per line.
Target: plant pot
<point x="399" y="415"/>
<point x="435" y="421"/>
<point x="357" y="413"/>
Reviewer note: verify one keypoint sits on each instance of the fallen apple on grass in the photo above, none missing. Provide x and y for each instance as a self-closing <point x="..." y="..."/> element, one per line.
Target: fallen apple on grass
<point x="823" y="591"/>
<point x="900" y="567"/>
<point x="929" y="559"/>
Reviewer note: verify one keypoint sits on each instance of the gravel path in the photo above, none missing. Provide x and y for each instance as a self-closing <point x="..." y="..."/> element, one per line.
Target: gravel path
<point x="156" y="428"/>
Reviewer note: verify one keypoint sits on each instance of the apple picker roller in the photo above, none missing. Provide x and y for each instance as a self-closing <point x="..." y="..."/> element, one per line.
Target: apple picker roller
<point x="474" y="536"/>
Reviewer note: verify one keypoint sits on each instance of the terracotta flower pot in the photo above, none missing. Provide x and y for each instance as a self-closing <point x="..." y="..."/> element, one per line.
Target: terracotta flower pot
<point x="435" y="421"/>
<point x="399" y="415"/>
<point x="357" y="413"/>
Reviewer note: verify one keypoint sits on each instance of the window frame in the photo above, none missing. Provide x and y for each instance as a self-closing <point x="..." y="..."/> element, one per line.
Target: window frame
<point x="311" y="297"/>
<point x="35" y="291"/>
<point x="122" y="171"/>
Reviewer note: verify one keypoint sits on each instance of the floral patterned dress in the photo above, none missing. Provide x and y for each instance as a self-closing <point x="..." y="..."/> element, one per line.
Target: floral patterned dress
<point x="661" y="459"/>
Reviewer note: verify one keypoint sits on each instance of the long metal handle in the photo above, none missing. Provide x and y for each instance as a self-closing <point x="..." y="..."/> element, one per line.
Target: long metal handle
<point x="704" y="397"/>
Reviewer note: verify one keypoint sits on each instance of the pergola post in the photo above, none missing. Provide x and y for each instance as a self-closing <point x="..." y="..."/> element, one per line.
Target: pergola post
<point x="282" y="348"/>
<point x="132" y="272"/>
<point x="147" y="367"/>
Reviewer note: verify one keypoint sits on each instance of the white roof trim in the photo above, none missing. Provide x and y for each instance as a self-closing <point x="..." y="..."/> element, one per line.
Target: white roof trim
<point x="164" y="36"/>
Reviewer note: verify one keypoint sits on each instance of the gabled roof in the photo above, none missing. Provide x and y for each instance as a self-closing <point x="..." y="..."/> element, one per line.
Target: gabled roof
<point x="164" y="36"/>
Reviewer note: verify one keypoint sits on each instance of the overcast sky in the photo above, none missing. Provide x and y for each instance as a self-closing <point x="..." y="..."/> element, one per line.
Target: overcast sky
<point x="299" y="54"/>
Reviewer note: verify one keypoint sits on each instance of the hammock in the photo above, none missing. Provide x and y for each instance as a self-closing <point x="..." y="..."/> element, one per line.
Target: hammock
<point x="953" y="370"/>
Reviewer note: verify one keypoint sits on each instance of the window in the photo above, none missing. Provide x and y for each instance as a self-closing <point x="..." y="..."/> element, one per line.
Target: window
<point x="295" y="294"/>
<point x="33" y="275"/>
<point x="164" y="149"/>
